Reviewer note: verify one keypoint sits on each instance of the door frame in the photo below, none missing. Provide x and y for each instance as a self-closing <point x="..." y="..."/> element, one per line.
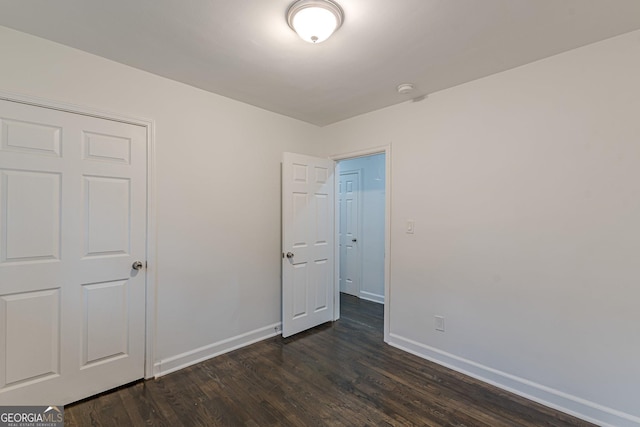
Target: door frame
<point x="150" y="244"/>
<point x="386" y="150"/>
<point x="339" y="172"/>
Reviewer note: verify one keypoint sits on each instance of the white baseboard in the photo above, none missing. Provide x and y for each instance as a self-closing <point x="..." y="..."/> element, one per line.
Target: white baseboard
<point x="372" y="297"/>
<point x="573" y="405"/>
<point x="175" y="363"/>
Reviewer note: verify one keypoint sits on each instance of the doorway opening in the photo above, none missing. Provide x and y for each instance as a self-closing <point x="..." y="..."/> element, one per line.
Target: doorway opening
<point x="362" y="229"/>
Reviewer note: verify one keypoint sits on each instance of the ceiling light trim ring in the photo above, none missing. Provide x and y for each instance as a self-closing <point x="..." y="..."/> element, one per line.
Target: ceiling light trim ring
<point x="327" y="5"/>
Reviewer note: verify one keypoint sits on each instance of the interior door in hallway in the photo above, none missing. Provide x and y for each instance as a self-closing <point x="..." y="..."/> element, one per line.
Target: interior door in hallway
<point x="308" y="217"/>
<point x="350" y="260"/>
<point x="72" y="224"/>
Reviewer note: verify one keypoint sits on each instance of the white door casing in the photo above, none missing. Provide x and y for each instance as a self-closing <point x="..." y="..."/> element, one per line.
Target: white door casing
<point x="349" y="211"/>
<point x="72" y="222"/>
<point x="308" y="232"/>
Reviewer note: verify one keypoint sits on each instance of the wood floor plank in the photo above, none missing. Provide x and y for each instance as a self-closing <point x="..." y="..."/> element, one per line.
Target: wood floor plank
<point x="338" y="374"/>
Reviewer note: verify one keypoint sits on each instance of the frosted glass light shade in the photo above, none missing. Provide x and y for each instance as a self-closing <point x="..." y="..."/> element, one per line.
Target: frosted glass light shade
<point x="314" y="20"/>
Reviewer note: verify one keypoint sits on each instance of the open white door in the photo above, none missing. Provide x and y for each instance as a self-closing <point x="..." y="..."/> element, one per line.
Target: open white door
<point x="308" y="216"/>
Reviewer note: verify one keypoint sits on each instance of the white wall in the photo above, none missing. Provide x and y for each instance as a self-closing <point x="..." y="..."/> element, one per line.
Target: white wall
<point x="525" y="191"/>
<point x="371" y="242"/>
<point x="218" y="190"/>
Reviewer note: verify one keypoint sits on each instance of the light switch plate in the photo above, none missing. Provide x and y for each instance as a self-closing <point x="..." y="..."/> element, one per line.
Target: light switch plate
<point x="411" y="226"/>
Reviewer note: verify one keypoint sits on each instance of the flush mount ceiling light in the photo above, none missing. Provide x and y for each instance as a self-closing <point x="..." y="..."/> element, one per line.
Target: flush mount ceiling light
<point x="314" y="20"/>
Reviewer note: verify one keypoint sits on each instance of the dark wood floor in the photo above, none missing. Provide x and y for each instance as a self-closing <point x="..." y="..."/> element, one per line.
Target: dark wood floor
<point x="339" y="374"/>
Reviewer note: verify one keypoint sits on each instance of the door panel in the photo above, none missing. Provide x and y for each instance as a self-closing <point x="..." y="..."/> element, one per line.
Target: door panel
<point x="34" y="138"/>
<point x="107" y="148"/>
<point x="36" y="355"/>
<point x="31" y="230"/>
<point x="106" y="207"/>
<point x="323" y="286"/>
<point x="72" y="222"/>
<point x="307" y="234"/>
<point x="300" y="283"/>
<point x="105" y="325"/>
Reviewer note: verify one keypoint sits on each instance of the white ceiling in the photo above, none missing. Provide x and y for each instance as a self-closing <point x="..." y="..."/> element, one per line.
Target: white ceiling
<point x="243" y="49"/>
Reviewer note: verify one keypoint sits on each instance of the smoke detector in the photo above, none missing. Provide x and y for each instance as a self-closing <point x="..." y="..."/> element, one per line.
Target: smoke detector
<point x="405" y="88"/>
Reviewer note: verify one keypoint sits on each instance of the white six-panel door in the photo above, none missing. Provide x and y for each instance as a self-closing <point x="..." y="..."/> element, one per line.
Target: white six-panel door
<point x="350" y="260"/>
<point x="308" y="205"/>
<point x="72" y="222"/>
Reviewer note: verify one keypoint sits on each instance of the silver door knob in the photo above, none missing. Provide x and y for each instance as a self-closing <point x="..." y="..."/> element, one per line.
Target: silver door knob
<point x="289" y="255"/>
<point x="137" y="265"/>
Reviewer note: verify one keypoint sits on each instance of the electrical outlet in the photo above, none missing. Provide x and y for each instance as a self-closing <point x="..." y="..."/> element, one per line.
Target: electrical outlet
<point x="439" y="323"/>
